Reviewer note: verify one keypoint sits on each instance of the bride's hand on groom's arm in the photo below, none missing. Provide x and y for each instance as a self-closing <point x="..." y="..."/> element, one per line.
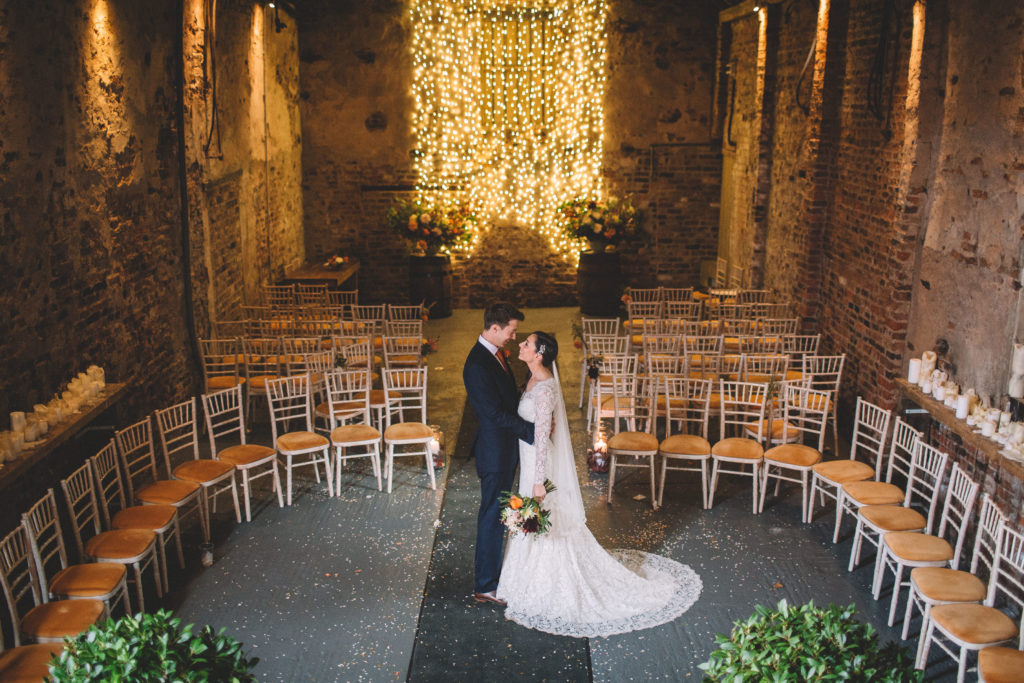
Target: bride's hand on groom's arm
<point x="539" y="491"/>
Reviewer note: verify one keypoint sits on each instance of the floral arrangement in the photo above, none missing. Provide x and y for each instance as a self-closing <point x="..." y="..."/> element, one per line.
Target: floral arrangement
<point x="336" y="262"/>
<point x="431" y="229"/>
<point x="604" y="224"/>
<point x="430" y="345"/>
<point x="627" y="296"/>
<point x="523" y="514"/>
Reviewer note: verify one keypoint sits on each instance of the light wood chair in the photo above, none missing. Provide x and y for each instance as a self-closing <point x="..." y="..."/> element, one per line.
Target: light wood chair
<point x="405" y="393"/>
<point x="599" y="347"/>
<point x="343" y="298"/>
<point x="347" y="411"/>
<point x="310" y="294"/>
<point x="687" y="406"/>
<point x="225" y="419"/>
<point x="971" y="627"/>
<point x="179" y="439"/>
<point x="162" y="520"/>
<point x="135" y="548"/>
<point x="900" y="550"/>
<point x="44" y="621"/>
<point x="796" y="346"/>
<point x="279" y="296"/>
<point x="804" y="414"/>
<point x="222" y="363"/>
<point x="870" y="428"/>
<point x="94" y="580"/>
<point x="27" y="663"/>
<point x="826" y="373"/>
<point x="677" y="295"/>
<point x="289" y="399"/>
<point x="262" y="364"/>
<point x="853" y="495"/>
<point x="923" y="484"/>
<point x="638" y="447"/>
<point x="409" y="313"/>
<point x="143" y="479"/>
<point x="931" y="586"/>
<point x="741" y="404"/>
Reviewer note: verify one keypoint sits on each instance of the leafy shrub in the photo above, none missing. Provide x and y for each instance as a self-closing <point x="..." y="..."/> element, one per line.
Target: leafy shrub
<point x="807" y="643"/>
<point x="151" y="647"/>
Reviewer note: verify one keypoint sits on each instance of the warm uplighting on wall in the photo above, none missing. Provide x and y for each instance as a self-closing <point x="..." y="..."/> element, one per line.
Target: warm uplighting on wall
<point x="509" y="107"/>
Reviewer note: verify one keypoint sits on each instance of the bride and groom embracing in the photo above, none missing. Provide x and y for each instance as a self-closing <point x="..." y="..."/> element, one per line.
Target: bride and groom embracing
<point x="562" y="581"/>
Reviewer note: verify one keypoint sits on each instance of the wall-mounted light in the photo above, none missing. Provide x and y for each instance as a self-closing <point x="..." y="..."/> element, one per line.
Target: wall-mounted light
<point x="757" y="8"/>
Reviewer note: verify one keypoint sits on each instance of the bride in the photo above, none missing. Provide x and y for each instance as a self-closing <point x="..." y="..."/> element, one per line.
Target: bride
<point x="563" y="581"/>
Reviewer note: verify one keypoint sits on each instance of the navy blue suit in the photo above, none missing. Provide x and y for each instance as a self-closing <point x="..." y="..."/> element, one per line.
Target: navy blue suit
<point x="492" y="391"/>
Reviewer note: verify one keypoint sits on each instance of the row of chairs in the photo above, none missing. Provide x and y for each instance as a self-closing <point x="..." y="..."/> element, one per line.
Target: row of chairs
<point x="321" y="323"/>
<point x="113" y="533"/>
<point x="300" y="294"/>
<point x="705" y="309"/>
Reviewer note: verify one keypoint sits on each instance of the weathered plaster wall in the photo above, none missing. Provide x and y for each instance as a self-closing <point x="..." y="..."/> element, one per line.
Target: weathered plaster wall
<point x="91" y="264"/>
<point x="968" y="286"/>
<point x="356" y="73"/>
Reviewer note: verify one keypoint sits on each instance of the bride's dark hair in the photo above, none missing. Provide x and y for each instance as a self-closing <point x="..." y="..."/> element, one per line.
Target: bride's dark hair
<point x="547" y="347"/>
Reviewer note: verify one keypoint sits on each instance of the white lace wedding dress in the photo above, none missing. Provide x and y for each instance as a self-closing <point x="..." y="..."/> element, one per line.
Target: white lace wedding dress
<point x="564" y="582"/>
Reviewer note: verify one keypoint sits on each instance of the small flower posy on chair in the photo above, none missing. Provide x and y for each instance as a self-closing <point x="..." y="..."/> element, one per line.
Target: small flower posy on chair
<point x="523" y="514"/>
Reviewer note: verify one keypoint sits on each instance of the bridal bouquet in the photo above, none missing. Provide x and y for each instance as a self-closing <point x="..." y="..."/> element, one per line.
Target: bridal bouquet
<point x="524" y="515"/>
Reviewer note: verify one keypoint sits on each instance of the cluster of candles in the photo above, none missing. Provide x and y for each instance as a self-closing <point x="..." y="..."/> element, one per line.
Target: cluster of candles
<point x="989" y="421"/>
<point x="27" y="428"/>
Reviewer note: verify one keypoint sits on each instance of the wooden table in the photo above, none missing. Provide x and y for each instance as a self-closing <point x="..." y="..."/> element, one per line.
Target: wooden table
<point x="62" y="433"/>
<point x="346" y="277"/>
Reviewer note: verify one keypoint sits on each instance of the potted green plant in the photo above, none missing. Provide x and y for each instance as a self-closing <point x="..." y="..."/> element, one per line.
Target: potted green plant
<point x="151" y="647"/>
<point x="807" y="643"/>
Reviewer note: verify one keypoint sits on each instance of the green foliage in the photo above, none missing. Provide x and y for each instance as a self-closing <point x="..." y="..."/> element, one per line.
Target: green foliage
<point x="152" y="647"/>
<point x="807" y="643"/>
<point x="602" y="223"/>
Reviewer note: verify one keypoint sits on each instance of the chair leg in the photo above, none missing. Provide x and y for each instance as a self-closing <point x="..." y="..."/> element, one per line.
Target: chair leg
<point x="288" y="475"/>
<point x="430" y="466"/>
<point x="803" y="494"/>
<point x="234" y="498"/>
<point x="375" y="461"/>
<point x="245" y="494"/>
<point x="922" y="651"/>
<point x="138" y="583"/>
<point x="177" y="545"/>
<point x="925" y="623"/>
<point x="661" y="488"/>
<point x="810" y="500"/>
<point x="161" y="558"/>
<point x="895" y="593"/>
<point x="961" y="669"/>
<point x="763" y="485"/>
<point x="704" y="483"/>
<point x="911" y="598"/>
<point x="858" y="538"/>
<point x="839" y="514"/>
<point x="879" y="575"/>
<point x="327" y="471"/>
<point x="654" y="500"/>
<point x="754" y="487"/>
<point x="714" y="484"/>
<point x="277" y="484"/>
<point x="389" y="470"/>
<point x="611" y="475"/>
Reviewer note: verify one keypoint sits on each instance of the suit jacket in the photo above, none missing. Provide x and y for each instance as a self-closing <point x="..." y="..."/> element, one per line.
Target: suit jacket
<point x="495" y="398"/>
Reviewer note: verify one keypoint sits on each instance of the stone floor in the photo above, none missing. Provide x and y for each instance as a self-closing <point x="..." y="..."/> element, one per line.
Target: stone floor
<point x="369" y="586"/>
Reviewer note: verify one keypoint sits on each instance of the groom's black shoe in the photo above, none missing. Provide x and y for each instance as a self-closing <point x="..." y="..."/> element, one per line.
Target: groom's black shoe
<point x="489" y="597"/>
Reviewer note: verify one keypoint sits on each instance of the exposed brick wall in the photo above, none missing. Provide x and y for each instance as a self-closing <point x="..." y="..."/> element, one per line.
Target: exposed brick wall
<point x="91" y="266"/>
<point x="355" y="82"/>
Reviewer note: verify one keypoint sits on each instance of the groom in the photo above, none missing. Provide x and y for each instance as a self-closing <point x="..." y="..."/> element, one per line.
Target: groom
<point x="492" y="391"/>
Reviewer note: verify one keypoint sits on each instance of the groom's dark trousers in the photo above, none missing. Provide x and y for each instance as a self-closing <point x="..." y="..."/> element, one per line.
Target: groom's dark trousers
<point x="492" y="391"/>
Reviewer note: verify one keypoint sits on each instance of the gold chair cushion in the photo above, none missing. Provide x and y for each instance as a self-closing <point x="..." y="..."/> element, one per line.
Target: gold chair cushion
<point x="295" y="442"/>
<point x="338" y="407"/>
<point x="736" y="447"/>
<point x="28" y="663"/>
<point x="685" y="444"/>
<point x="201" y="471"/>
<point x="354" y="433"/>
<point x="794" y="454"/>
<point x="246" y="454"/>
<point x="152" y="517"/>
<point x="873" y="492"/>
<point x="794" y="375"/>
<point x="842" y="471"/>
<point x="167" y="492"/>
<point x="893" y="517"/>
<point x="377" y="398"/>
<point x="975" y="624"/>
<point x="1000" y="665"/>
<point x="91" y="580"/>
<point x="408" y="431"/>
<point x="911" y="547"/>
<point x="61" y="618"/>
<point x="260" y="382"/>
<point x="120" y="544"/>
<point x="223" y="382"/>
<point x="778" y="427"/>
<point x="941" y="584"/>
<point x="633" y="441"/>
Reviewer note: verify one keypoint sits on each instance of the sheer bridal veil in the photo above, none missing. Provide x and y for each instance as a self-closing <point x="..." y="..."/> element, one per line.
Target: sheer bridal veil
<point x="565" y="502"/>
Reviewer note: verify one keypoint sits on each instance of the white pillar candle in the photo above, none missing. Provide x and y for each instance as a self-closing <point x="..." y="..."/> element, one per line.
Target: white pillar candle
<point x="926" y="386"/>
<point x="17" y="442"/>
<point x="31" y="432"/>
<point x="914" y="370"/>
<point x="988" y="428"/>
<point x="963" y="404"/>
<point x="939" y="392"/>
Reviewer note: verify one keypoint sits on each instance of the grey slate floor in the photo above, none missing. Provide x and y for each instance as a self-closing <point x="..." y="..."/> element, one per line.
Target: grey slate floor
<point x="369" y="586"/>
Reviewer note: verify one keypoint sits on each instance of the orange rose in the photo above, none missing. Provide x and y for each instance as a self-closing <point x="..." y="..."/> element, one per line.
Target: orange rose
<point x="515" y="502"/>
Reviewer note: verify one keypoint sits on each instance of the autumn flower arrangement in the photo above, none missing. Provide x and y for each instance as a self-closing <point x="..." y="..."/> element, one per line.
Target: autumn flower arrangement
<point x="604" y="224"/>
<point x="336" y="262"/>
<point x="431" y="229"/>
<point x="523" y="514"/>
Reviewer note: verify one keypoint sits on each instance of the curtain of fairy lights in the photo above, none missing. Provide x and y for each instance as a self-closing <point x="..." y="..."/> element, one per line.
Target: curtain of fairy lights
<point x="509" y="113"/>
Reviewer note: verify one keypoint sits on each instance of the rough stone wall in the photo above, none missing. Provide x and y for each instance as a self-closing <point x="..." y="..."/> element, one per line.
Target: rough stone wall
<point x="91" y="263"/>
<point x="244" y="149"/>
<point x="356" y="105"/>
